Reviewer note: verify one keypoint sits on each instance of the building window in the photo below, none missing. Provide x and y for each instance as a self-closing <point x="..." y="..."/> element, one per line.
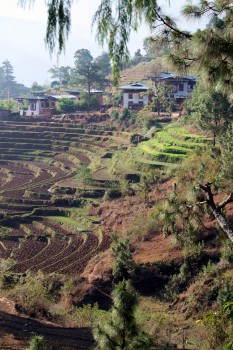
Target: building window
<point x="181" y="87"/>
<point x="33" y="106"/>
<point x="190" y="87"/>
<point x="130" y="96"/>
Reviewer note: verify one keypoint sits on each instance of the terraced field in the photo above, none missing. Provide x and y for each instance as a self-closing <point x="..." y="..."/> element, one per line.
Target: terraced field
<point x="36" y="156"/>
<point x="169" y="147"/>
<point x="39" y="191"/>
<point x="44" y="221"/>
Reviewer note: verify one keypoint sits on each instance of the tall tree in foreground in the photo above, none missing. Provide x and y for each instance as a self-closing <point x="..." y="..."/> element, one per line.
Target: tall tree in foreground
<point x="122" y="332"/>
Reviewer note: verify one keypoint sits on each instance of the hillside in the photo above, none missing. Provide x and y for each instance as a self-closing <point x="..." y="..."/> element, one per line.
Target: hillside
<point x="142" y="71"/>
<point x="67" y="185"/>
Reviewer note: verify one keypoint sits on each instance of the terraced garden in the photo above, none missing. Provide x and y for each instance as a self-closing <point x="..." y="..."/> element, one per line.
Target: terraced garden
<point x="44" y="219"/>
<point x="169" y="147"/>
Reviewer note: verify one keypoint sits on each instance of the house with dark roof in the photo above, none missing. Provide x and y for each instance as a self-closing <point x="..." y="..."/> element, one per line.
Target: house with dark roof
<point x="133" y="97"/>
<point x="181" y="85"/>
<point x="39" y="103"/>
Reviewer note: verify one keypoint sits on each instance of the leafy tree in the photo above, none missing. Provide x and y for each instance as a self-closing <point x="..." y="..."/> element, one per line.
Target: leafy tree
<point x="145" y="187"/>
<point x="161" y="101"/>
<point x="86" y="71"/>
<point x="84" y="175"/>
<point x="62" y="74"/>
<point x="66" y="105"/>
<point x="104" y="63"/>
<point x="9" y="104"/>
<point x="122" y="332"/>
<point x="210" y="109"/>
<point x="36" y="87"/>
<point x="124" y="265"/>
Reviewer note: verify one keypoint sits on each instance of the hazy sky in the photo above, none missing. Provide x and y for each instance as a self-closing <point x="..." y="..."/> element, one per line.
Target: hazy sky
<point x="23" y="30"/>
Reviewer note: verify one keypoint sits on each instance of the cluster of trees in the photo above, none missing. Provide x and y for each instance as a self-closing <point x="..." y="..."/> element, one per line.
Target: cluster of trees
<point x="8" y="86"/>
<point x="87" y="71"/>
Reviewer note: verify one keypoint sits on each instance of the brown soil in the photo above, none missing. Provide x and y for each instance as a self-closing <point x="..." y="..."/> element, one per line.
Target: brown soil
<point x="16" y="330"/>
<point x="120" y="215"/>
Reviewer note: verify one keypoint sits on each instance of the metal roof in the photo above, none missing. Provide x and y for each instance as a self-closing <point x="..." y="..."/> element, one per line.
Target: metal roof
<point x="134" y="86"/>
<point x="31" y="98"/>
<point x="74" y="91"/>
<point x="58" y="97"/>
<point x="170" y="75"/>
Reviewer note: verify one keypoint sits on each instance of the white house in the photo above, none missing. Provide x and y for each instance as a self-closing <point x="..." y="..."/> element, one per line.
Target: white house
<point x="133" y="97"/>
<point x="40" y="104"/>
<point x="182" y="85"/>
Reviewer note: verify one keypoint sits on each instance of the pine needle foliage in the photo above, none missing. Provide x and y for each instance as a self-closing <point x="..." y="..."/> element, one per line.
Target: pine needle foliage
<point x="209" y="51"/>
<point x="122" y="331"/>
<point x="37" y="343"/>
<point x="124" y="265"/>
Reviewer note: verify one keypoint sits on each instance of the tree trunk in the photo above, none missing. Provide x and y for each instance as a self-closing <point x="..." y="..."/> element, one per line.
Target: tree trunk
<point x="89" y="96"/>
<point x="217" y="210"/>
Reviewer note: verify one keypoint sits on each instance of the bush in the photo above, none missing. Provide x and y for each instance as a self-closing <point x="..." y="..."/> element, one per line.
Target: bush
<point x="37" y="343"/>
<point x="114" y="113"/>
<point x="112" y="194"/>
<point x="125" y="114"/>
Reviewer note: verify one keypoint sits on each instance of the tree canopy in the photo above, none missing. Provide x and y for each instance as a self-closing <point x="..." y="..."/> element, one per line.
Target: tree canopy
<point x="210" y="109"/>
<point x="210" y="50"/>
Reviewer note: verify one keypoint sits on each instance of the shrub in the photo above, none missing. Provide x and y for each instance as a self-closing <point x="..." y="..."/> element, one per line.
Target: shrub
<point x="112" y="193"/>
<point x="114" y="113"/>
<point x="37" y="343"/>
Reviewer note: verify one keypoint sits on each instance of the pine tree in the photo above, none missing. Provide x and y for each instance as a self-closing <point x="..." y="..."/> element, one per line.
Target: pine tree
<point x="124" y="265"/>
<point x="122" y="332"/>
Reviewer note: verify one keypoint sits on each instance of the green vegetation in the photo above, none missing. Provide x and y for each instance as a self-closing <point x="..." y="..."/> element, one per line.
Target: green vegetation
<point x="122" y="331"/>
<point x="65" y="184"/>
<point x="37" y="343"/>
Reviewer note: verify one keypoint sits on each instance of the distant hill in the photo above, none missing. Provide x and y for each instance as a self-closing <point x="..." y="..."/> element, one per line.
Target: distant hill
<point x="142" y="71"/>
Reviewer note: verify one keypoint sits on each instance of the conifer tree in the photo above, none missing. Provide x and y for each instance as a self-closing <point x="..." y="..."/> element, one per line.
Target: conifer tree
<point x="124" y="265"/>
<point x="122" y="332"/>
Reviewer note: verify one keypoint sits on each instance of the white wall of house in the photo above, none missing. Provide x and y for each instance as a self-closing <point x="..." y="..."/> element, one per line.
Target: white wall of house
<point x="34" y="108"/>
<point x="132" y="98"/>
